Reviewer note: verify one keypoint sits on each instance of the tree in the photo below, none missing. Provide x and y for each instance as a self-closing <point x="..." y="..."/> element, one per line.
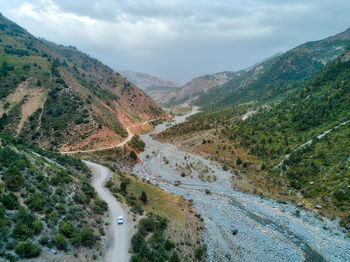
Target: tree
<point x="143" y="197"/>
<point x="174" y="257"/>
<point x="36" y="201"/>
<point x="60" y="241"/>
<point x="10" y="201"/>
<point x="88" y="238"/>
<point x="37" y="226"/>
<point x="13" y="178"/>
<point x="67" y="229"/>
<point x="27" y="249"/>
<point x="137" y="241"/>
<point x="133" y="155"/>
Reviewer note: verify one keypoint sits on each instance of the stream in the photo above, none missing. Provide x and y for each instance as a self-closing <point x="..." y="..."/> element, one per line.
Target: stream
<point x="266" y="230"/>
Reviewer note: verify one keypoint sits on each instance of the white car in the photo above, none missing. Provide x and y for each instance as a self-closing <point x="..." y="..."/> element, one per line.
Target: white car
<point x="120" y="220"/>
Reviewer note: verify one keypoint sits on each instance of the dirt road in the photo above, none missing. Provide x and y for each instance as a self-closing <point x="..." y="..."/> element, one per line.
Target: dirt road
<point x="120" y="234"/>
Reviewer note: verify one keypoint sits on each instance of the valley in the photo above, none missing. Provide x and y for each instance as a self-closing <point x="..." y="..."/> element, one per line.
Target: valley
<point x="105" y="165"/>
<point x="238" y="226"/>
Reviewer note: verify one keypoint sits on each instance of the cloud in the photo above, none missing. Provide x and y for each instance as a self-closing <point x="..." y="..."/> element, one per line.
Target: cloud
<point x="180" y="38"/>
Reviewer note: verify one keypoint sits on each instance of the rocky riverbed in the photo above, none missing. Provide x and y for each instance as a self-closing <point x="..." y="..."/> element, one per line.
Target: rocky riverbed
<point x="238" y="226"/>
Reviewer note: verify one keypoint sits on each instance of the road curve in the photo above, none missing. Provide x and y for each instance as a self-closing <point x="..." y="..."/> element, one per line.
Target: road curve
<point x="130" y="136"/>
<point x="119" y="246"/>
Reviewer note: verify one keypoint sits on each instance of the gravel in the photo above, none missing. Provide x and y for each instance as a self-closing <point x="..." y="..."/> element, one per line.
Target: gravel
<point x="266" y="230"/>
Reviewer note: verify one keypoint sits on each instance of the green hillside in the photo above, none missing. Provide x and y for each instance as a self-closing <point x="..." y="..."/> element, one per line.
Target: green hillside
<point x="46" y="205"/>
<point x="319" y="170"/>
<point x="278" y="75"/>
<point x="61" y="98"/>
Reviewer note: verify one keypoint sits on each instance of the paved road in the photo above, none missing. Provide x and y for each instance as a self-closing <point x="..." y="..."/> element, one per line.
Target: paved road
<point x="118" y="250"/>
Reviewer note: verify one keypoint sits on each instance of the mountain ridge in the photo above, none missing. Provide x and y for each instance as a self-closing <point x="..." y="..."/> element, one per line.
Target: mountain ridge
<point x="61" y="98"/>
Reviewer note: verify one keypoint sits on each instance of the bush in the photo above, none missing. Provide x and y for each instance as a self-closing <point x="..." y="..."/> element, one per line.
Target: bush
<point x="36" y="201"/>
<point x="198" y="253"/>
<point x="37" y="226"/>
<point x="67" y="229"/>
<point x="88" y="238"/>
<point x="168" y="245"/>
<point x="133" y="155"/>
<point x="147" y="225"/>
<point x="60" y="241"/>
<point x="143" y="197"/>
<point x="137" y="241"/>
<point x="22" y="231"/>
<point x="174" y="257"/>
<point x="27" y="249"/>
<point x="100" y="206"/>
<point x="44" y="240"/>
<point x="13" y="178"/>
<point x="10" y="201"/>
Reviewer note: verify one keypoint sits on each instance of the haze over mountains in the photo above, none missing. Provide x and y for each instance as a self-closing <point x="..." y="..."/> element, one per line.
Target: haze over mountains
<point x="262" y="80"/>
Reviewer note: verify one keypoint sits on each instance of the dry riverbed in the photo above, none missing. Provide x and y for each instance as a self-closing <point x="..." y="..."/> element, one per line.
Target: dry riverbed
<point x="238" y="226"/>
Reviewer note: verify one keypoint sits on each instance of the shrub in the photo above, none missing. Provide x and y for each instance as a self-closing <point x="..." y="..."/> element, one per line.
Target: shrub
<point x="27" y="249"/>
<point x="37" y="226"/>
<point x="198" y="253"/>
<point x="67" y="229"/>
<point x="133" y="155"/>
<point x="100" y="206"/>
<point x="174" y="257"/>
<point x="10" y="201"/>
<point x="13" y="178"/>
<point x="143" y="197"/>
<point x="168" y="245"/>
<point x="44" y="240"/>
<point x="22" y="231"/>
<point x="147" y="225"/>
<point x="36" y="201"/>
<point x="137" y="242"/>
<point x="88" y="238"/>
<point x="60" y="241"/>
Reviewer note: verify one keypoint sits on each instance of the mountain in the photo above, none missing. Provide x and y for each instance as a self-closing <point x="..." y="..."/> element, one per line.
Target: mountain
<point x="155" y="87"/>
<point x="59" y="97"/>
<point x="196" y="86"/>
<point x="273" y="77"/>
<point x="295" y="149"/>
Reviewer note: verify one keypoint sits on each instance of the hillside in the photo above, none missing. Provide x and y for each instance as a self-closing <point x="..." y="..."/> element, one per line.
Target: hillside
<point x="196" y="86"/>
<point x="47" y="206"/>
<point x="155" y="87"/>
<point x="270" y="149"/>
<point x="61" y="98"/>
<point x="277" y="76"/>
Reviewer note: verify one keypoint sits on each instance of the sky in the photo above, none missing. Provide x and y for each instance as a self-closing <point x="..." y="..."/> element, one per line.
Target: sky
<point x="180" y="39"/>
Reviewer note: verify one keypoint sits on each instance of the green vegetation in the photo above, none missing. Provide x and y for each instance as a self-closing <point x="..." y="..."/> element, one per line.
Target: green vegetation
<point x="271" y="138"/>
<point x="71" y="95"/>
<point x="149" y="243"/>
<point x="35" y="204"/>
<point x="168" y="223"/>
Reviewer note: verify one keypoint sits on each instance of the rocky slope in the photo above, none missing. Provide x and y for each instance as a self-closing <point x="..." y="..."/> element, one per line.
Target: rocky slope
<point x="196" y="86"/>
<point x="155" y="87"/>
<point x="61" y="98"/>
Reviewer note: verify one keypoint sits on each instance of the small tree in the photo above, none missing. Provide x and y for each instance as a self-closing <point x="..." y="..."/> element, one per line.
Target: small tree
<point x="174" y="257"/>
<point x="27" y="249"/>
<point x="143" y="197"/>
<point x="60" y="241"/>
<point x="133" y="155"/>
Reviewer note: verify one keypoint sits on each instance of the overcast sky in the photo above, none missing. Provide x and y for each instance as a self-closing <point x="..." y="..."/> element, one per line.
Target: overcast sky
<point x="178" y="39"/>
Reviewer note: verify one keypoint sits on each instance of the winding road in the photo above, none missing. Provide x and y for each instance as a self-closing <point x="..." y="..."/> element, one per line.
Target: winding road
<point x="130" y="136"/>
<point x="118" y="246"/>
